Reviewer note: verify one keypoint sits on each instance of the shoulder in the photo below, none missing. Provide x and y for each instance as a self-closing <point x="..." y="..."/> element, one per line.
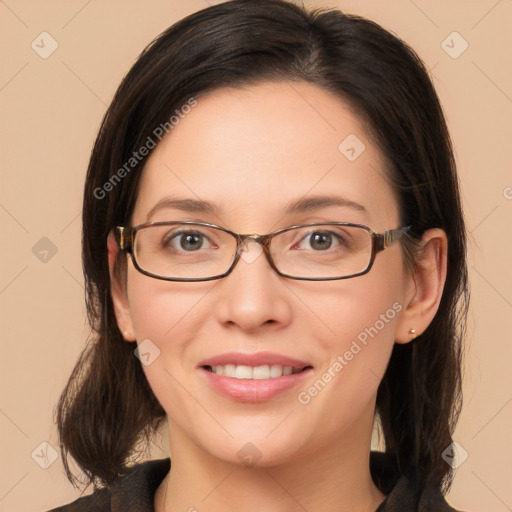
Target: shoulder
<point x="98" y="501"/>
<point x="133" y="491"/>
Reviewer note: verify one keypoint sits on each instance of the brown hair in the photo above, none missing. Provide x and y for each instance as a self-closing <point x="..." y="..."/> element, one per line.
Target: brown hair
<point x="107" y="408"/>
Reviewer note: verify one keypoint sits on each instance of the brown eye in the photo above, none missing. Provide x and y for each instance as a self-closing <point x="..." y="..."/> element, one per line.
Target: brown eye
<point x="320" y="241"/>
<point x="188" y="241"/>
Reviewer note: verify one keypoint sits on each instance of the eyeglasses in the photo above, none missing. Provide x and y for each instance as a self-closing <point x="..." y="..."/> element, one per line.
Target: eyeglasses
<point x="198" y="251"/>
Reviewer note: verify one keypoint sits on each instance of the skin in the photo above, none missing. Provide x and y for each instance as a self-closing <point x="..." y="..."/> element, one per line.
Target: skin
<point x="251" y="151"/>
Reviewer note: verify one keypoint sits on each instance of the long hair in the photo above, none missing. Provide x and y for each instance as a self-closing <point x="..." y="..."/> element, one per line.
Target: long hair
<point x="107" y="408"/>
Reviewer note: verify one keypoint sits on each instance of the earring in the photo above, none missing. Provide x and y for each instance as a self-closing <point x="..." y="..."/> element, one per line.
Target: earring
<point x="413" y="333"/>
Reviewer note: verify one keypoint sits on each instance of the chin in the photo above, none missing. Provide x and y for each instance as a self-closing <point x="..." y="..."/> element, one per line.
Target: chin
<point x="250" y="450"/>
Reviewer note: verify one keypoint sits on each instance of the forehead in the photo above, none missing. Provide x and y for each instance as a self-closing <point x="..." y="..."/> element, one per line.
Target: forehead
<point x="252" y="152"/>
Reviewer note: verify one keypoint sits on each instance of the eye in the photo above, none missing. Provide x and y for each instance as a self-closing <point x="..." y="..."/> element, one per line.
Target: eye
<point x="188" y="241"/>
<point x="321" y="241"/>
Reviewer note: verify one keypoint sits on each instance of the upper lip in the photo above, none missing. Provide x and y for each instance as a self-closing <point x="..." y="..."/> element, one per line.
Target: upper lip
<point x="257" y="359"/>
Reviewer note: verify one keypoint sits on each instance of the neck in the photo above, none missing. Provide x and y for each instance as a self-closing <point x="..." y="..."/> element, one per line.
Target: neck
<point x="337" y="479"/>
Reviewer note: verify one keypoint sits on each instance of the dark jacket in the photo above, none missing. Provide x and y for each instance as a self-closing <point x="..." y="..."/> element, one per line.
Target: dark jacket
<point x="135" y="491"/>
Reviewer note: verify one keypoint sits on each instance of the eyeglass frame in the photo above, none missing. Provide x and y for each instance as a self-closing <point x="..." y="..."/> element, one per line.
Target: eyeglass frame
<point x="125" y="237"/>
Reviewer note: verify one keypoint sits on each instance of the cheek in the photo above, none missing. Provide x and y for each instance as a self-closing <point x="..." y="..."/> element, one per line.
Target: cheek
<point x="363" y="339"/>
<point x="361" y="326"/>
<point x="167" y="318"/>
<point x="364" y="311"/>
<point x="163" y="310"/>
<point x="363" y="308"/>
<point x="341" y="399"/>
<point x="159" y="318"/>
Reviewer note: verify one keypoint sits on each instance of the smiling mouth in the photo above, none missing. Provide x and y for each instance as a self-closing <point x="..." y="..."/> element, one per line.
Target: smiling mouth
<point x="265" y="371"/>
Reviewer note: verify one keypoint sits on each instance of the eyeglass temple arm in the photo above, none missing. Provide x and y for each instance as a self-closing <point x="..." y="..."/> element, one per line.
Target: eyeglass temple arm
<point x="388" y="238"/>
<point x="123" y="238"/>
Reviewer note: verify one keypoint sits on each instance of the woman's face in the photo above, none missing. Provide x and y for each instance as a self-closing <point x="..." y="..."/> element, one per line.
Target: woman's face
<point x="251" y="154"/>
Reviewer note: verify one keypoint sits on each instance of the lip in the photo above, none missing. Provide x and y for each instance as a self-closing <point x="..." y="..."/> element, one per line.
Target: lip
<point x="257" y="359"/>
<point x="253" y="390"/>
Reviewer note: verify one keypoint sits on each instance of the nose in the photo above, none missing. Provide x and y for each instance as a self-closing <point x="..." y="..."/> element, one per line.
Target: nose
<point x="253" y="296"/>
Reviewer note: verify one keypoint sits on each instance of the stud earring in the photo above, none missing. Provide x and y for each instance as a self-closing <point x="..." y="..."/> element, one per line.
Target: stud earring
<point x="413" y="333"/>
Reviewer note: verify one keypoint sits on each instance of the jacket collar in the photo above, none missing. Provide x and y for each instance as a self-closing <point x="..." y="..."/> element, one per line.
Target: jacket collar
<point x="135" y="491"/>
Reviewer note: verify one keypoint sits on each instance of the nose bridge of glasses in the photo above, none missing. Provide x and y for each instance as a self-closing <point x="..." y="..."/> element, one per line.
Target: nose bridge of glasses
<point x="259" y="241"/>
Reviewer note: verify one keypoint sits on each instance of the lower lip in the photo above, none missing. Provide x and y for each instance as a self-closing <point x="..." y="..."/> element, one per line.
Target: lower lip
<point x="254" y="390"/>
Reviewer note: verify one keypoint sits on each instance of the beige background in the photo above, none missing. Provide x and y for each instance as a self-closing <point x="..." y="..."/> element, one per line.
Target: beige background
<point x="50" y="111"/>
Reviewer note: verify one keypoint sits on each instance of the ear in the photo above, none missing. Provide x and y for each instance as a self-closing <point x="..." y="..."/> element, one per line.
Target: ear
<point x="424" y="287"/>
<point x="117" y="290"/>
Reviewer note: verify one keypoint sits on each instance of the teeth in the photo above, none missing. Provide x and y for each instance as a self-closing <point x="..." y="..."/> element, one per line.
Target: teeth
<point x="243" y="372"/>
<point x="253" y="372"/>
<point x="261" y="372"/>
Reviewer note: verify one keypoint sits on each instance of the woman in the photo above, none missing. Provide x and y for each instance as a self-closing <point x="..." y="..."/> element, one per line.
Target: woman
<point x="274" y="253"/>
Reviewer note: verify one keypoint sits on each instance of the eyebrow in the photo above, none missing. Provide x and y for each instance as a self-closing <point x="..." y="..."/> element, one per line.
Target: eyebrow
<point x="303" y="205"/>
<point x="185" y="205"/>
<point x="313" y="203"/>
